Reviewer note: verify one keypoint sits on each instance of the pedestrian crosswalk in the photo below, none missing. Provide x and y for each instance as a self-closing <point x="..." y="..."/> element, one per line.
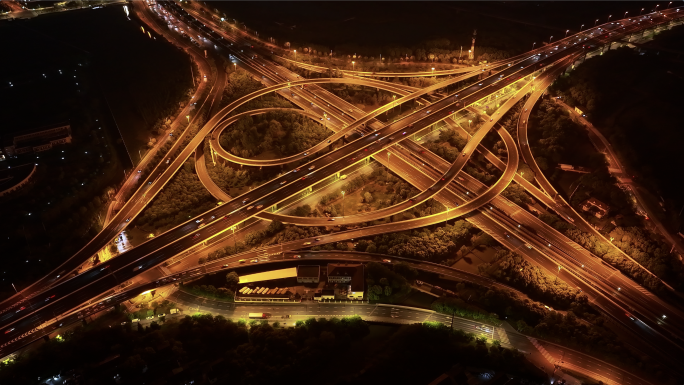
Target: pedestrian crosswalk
<point x="644" y="291"/>
<point x="541" y="349"/>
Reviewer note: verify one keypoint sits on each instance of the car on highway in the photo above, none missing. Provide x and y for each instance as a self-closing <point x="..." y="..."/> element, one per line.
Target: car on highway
<point x="50" y="297"/>
<point x="483" y="328"/>
<point x="259" y="207"/>
<point x="254" y="261"/>
<point x="297" y="256"/>
<point x="139" y="171"/>
<point x="318" y="239"/>
<point x="331" y="219"/>
<point x="8" y="330"/>
<point x="20" y="309"/>
<point x="296" y="169"/>
<point x="304" y="177"/>
<point x="201" y="225"/>
<point x="283" y="182"/>
<point x="387" y="261"/>
<point x="199" y="220"/>
<point x="104" y="268"/>
<point x="226" y="217"/>
<point x="161" y="315"/>
<point x="150" y="317"/>
<point x="242" y="261"/>
<point x="245" y="201"/>
<point x="224" y="266"/>
<point x="307" y="243"/>
<point x="250" y="207"/>
<point x="427" y="112"/>
<point x="196" y="236"/>
<point x="312" y="167"/>
<point x="128" y="219"/>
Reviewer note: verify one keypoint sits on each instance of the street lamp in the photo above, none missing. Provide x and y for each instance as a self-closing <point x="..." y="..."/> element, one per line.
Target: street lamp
<point x="551" y="38"/>
<point x="353" y="62"/>
<point x="342" y="204"/>
<point x="566" y="32"/>
<point x="235" y="64"/>
<point x="625" y="15"/>
<point x="188" y="116"/>
<point x="640" y="12"/>
<point x="595" y="22"/>
<point x="533" y="44"/>
<point x="581" y="27"/>
<point x="295" y="51"/>
<point x="433" y="70"/>
<point x="609" y="16"/>
<point x="469" y="121"/>
<point x="234" y="239"/>
<point x="668" y="5"/>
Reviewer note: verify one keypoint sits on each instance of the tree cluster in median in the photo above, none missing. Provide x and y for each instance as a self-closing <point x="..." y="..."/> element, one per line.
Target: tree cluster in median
<point x="283" y="133"/>
<point x="514" y="270"/>
<point x="423" y="244"/>
<point x="556" y="138"/>
<point x="612" y="256"/>
<point x="182" y="198"/>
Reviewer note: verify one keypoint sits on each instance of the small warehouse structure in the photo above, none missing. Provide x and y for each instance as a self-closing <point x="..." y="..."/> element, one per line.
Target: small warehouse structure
<point x="308" y="274"/>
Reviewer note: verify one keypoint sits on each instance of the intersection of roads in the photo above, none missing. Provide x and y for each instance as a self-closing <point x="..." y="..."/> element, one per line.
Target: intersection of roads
<point x="62" y="297"/>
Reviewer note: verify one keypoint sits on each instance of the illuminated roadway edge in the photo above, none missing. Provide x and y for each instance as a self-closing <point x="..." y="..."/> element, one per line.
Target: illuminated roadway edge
<point x="268" y="90"/>
<point x="148" y="255"/>
<point x="352" y="256"/>
<point x="543" y="200"/>
<point x="500" y="185"/>
<point x="548" y="188"/>
<point x="443" y="84"/>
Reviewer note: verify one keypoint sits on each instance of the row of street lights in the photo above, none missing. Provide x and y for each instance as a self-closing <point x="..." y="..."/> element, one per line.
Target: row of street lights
<point x="609" y="16"/>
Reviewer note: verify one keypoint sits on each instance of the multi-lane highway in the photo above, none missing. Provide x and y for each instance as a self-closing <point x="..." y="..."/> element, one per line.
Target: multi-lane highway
<point x="75" y="291"/>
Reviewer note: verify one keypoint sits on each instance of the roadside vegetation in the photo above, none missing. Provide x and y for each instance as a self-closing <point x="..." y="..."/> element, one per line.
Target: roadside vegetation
<point x="632" y="97"/>
<point x="558" y="138"/>
<point x="574" y="323"/>
<point x="227" y="351"/>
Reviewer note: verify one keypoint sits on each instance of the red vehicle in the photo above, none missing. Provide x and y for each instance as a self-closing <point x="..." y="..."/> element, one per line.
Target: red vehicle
<point x="8" y="330"/>
<point x="20" y="309"/>
<point x="102" y="269"/>
<point x="226" y="217"/>
<point x="303" y="177"/>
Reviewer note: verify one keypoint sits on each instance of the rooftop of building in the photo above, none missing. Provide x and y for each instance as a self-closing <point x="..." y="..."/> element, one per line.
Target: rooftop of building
<point x="353" y="270"/>
<point x="308" y="271"/>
